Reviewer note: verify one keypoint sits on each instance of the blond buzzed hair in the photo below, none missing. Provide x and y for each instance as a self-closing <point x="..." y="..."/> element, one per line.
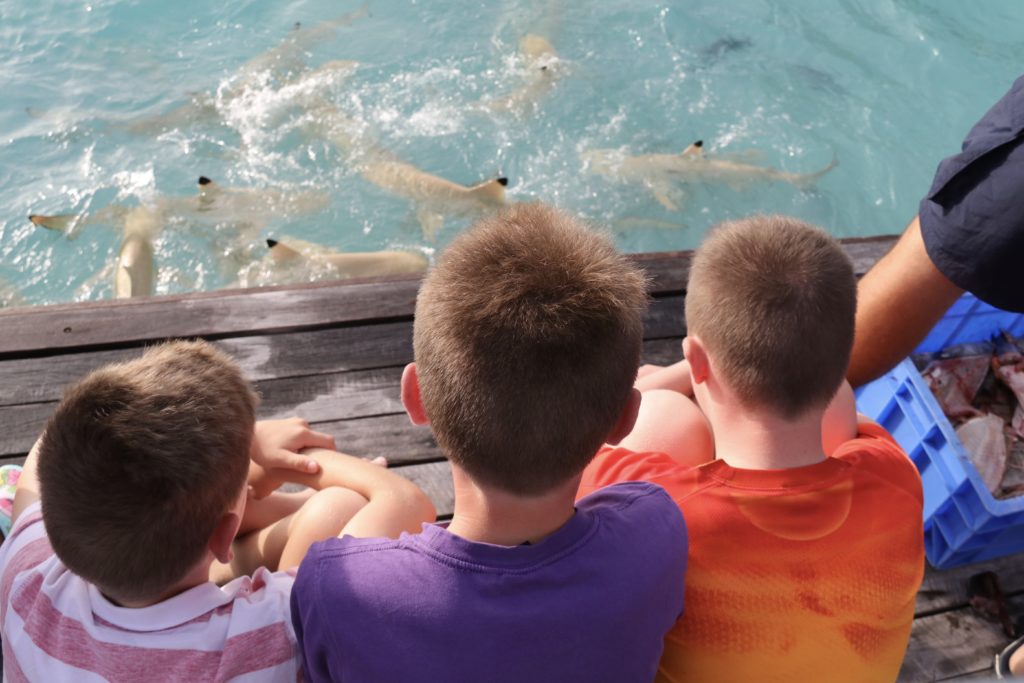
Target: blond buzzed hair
<point x="773" y="299"/>
<point x="139" y="463"/>
<point x="527" y="338"/>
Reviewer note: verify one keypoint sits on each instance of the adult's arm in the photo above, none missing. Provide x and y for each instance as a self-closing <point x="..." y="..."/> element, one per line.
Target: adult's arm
<point x="898" y="302"/>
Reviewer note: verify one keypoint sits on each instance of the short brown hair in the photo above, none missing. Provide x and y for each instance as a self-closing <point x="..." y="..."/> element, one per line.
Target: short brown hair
<point x="140" y="461"/>
<point x="773" y="299"/>
<point x="527" y="338"/>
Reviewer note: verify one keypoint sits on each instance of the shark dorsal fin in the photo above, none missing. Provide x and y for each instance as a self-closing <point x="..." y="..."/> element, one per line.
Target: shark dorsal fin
<point x="694" y="150"/>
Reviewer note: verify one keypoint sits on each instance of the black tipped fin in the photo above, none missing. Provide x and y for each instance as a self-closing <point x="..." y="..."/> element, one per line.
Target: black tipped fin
<point x="271" y="243"/>
<point x="503" y="181"/>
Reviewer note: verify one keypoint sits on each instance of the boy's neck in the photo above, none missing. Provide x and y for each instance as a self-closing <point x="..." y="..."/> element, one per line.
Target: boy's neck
<point x="198" y="575"/>
<point x="761" y="440"/>
<point x="485" y="515"/>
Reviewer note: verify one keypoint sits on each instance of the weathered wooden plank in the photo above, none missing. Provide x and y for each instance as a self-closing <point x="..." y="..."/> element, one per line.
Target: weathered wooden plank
<point x="333" y="396"/>
<point x="668" y="271"/>
<point x="986" y="674"/>
<point x="953" y="643"/>
<point x="866" y="251"/>
<point x="662" y="351"/>
<point x="45" y="329"/>
<point x="947" y="589"/>
<point x="392" y="436"/>
<point x="21" y="426"/>
<point x="666" y="317"/>
<point x="294" y="354"/>
<point x="318" y="398"/>
<point x="435" y="478"/>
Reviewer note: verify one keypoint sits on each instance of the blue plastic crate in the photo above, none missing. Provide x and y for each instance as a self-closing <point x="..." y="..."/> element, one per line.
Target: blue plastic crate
<point x="963" y="522"/>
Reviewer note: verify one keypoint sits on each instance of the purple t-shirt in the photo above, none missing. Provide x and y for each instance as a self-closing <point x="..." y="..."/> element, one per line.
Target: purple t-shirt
<point x="591" y="602"/>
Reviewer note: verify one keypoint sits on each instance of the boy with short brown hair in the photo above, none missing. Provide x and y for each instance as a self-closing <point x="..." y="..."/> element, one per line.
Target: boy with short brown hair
<point x="527" y="335"/>
<point x="142" y="477"/>
<point x="804" y="559"/>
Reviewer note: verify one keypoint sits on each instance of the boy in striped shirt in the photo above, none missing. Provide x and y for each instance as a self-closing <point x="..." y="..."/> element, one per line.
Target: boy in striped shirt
<point x="140" y="494"/>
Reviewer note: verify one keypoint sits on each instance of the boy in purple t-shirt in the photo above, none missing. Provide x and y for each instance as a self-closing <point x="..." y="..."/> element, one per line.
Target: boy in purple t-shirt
<point x="527" y="336"/>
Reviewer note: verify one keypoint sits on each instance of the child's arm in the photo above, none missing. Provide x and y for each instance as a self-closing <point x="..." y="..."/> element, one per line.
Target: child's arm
<point x="27" y="491"/>
<point x="675" y="377"/>
<point x="394" y="505"/>
<point x="356" y="498"/>
<point x="276" y="445"/>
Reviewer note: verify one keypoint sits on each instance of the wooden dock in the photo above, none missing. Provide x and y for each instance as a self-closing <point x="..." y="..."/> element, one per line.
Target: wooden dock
<point x="333" y="354"/>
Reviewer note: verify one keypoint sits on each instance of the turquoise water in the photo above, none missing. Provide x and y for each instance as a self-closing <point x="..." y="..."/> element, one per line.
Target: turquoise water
<point x="888" y="87"/>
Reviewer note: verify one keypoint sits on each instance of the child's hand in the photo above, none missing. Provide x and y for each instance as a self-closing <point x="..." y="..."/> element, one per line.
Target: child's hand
<point x="275" y="447"/>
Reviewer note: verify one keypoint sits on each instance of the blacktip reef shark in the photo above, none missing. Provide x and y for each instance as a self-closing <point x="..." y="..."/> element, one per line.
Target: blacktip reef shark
<point x="545" y="69"/>
<point x="135" y="270"/>
<point x="212" y="201"/>
<point x="282" y="63"/>
<point x="434" y="197"/>
<point x="285" y="57"/>
<point x="661" y="173"/>
<point x="292" y="252"/>
<point x="203" y="108"/>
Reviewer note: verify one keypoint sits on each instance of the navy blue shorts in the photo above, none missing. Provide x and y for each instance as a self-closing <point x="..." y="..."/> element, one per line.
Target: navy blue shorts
<point x="972" y="220"/>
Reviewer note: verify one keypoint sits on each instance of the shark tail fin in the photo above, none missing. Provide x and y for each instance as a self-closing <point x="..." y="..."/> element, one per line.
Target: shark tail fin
<point x="806" y="180"/>
<point x="58" y="223"/>
<point x="490" y="191"/>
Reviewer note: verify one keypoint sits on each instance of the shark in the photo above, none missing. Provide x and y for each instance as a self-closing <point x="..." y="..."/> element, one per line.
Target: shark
<point x="212" y="201"/>
<point x="434" y="197"/>
<point x="346" y="264"/>
<point x="285" y="57"/>
<point x="203" y="108"/>
<point x="282" y="64"/>
<point x="135" y="267"/>
<point x="662" y="173"/>
<point x="545" y="69"/>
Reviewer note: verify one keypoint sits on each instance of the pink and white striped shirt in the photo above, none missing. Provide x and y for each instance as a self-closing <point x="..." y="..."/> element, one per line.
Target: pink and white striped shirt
<point x="58" y="627"/>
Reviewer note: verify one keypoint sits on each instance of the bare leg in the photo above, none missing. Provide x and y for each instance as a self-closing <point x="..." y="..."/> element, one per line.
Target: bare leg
<point x="265" y="511"/>
<point x="283" y="544"/>
<point x="671" y="423"/>
<point x="1017" y="662"/>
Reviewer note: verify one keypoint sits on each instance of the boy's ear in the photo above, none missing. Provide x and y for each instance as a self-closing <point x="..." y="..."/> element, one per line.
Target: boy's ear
<point x="693" y="351"/>
<point x="626" y="420"/>
<point x="411" y="396"/>
<point x="224" y="535"/>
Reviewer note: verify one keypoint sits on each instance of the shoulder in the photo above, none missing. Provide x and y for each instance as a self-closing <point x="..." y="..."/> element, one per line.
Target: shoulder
<point x="641" y="496"/>
<point x="875" y="453"/>
<point x="613" y="465"/>
<point x="361" y="557"/>
<point x="636" y="505"/>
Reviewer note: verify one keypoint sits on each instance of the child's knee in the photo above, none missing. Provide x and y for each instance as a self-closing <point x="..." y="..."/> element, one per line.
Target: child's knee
<point x="673" y="424"/>
<point x="331" y="504"/>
